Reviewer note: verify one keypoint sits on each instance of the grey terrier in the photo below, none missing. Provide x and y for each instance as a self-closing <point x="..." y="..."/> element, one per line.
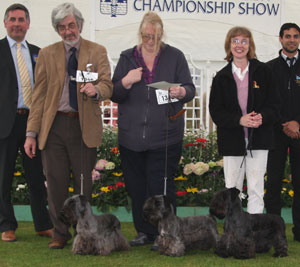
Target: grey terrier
<point x="95" y="235"/>
<point x="178" y="234"/>
<point x="244" y="233"/>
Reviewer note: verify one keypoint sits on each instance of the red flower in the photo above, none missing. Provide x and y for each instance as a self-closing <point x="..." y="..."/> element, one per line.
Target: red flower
<point x="115" y="150"/>
<point x="201" y="140"/>
<point x="191" y="144"/>
<point x="112" y="187"/>
<point x="120" y="184"/>
<point x="181" y="193"/>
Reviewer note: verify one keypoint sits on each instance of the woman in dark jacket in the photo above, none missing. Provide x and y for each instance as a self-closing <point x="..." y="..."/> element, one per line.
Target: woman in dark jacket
<point x="244" y="105"/>
<point x="149" y="126"/>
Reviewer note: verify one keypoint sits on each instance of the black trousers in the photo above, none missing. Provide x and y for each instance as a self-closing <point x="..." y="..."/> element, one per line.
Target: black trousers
<point x="275" y="174"/>
<point x="9" y="148"/>
<point x="144" y="174"/>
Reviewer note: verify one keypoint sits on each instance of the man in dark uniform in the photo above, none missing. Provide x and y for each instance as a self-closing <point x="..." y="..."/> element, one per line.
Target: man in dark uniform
<point x="287" y="137"/>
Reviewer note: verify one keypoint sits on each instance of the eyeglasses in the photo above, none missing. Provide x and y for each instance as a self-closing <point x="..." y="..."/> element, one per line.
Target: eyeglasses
<point x="238" y="41"/>
<point x="147" y="37"/>
<point x="63" y="28"/>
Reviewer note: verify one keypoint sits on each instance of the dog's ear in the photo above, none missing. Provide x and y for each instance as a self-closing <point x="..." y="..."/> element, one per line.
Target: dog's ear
<point x="234" y="193"/>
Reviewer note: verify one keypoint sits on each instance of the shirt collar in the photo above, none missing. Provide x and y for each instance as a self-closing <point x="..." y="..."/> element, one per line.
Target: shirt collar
<point x="285" y="56"/>
<point x="12" y="42"/>
<point x="238" y="71"/>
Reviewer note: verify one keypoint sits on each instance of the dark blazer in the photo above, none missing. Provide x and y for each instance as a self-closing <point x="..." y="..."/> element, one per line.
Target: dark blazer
<point x="9" y="86"/>
<point x="226" y="113"/>
<point x="288" y="80"/>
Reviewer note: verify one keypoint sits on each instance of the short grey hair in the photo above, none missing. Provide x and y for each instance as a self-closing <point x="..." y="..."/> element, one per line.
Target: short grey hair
<point x="64" y="10"/>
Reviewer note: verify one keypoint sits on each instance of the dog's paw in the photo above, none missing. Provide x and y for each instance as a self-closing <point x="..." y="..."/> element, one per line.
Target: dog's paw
<point x="280" y="254"/>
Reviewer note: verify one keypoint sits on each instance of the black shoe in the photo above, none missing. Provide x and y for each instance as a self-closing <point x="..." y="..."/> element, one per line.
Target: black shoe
<point x="154" y="246"/>
<point x="140" y="240"/>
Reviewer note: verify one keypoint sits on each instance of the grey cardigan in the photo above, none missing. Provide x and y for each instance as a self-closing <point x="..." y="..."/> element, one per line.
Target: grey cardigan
<point x="142" y="123"/>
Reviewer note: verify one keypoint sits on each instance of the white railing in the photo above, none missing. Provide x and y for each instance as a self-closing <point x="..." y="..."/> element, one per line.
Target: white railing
<point x="197" y="113"/>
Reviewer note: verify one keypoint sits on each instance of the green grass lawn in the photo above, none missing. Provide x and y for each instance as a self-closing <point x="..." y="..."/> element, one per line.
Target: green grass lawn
<point x="32" y="250"/>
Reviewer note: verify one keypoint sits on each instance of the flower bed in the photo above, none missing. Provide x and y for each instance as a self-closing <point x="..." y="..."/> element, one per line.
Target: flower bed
<point x="200" y="174"/>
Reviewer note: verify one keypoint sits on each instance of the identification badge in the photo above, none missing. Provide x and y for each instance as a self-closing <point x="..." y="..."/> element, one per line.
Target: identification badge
<point x="86" y="76"/>
<point x="163" y="97"/>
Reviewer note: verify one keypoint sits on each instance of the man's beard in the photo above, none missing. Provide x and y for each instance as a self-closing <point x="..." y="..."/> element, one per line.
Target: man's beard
<point x="290" y="51"/>
<point x="72" y="42"/>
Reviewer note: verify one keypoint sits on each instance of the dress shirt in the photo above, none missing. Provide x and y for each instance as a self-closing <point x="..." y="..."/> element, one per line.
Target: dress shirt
<point x="239" y="73"/>
<point x="64" y="101"/>
<point x="285" y="58"/>
<point x="26" y="54"/>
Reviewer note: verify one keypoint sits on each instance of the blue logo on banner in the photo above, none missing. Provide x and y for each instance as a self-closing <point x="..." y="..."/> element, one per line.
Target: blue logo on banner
<point x="113" y="7"/>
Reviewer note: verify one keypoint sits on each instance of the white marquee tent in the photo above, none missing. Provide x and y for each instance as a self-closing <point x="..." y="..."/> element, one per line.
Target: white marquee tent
<point x="197" y="27"/>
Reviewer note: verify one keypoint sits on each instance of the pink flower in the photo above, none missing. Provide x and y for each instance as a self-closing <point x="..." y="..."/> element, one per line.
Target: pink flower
<point x="95" y="175"/>
<point x="100" y="165"/>
<point x="188" y="168"/>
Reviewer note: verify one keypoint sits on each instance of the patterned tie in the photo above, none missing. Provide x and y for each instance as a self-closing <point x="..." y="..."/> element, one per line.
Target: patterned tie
<point x="290" y="61"/>
<point x="72" y="68"/>
<point x="25" y="78"/>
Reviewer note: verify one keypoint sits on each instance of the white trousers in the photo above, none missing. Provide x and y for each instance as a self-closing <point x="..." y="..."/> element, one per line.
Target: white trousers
<point x="254" y="168"/>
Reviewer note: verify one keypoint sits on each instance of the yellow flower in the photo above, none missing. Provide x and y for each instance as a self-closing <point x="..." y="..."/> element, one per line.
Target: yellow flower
<point x="283" y="189"/>
<point x="117" y="174"/>
<point x="71" y="189"/>
<point x="265" y="191"/>
<point x="180" y="178"/>
<point x="95" y="195"/>
<point x="192" y="190"/>
<point x="285" y="180"/>
<point x="291" y="193"/>
<point x="105" y="189"/>
<point x="17" y="174"/>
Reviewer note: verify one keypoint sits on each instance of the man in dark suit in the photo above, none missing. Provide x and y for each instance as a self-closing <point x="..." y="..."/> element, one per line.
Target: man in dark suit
<point x="14" y="109"/>
<point x="286" y="68"/>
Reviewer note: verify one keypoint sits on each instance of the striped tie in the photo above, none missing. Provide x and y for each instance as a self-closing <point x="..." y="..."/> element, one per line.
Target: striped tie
<point x="25" y="78"/>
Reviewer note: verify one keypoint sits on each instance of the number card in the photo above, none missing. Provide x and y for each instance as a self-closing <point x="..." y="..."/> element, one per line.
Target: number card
<point x="163" y="97"/>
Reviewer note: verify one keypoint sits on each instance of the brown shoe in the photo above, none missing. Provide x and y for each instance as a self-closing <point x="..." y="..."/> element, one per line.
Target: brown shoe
<point x="9" y="236"/>
<point x="57" y="244"/>
<point x="47" y="233"/>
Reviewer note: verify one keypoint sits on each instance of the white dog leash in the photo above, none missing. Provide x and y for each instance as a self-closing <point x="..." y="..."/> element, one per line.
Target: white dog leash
<point x="81" y="143"/>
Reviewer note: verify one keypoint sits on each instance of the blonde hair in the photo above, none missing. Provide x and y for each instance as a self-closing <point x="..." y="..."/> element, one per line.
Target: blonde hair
<point x="151" y="18"/>
<point x="239" y="31"/>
